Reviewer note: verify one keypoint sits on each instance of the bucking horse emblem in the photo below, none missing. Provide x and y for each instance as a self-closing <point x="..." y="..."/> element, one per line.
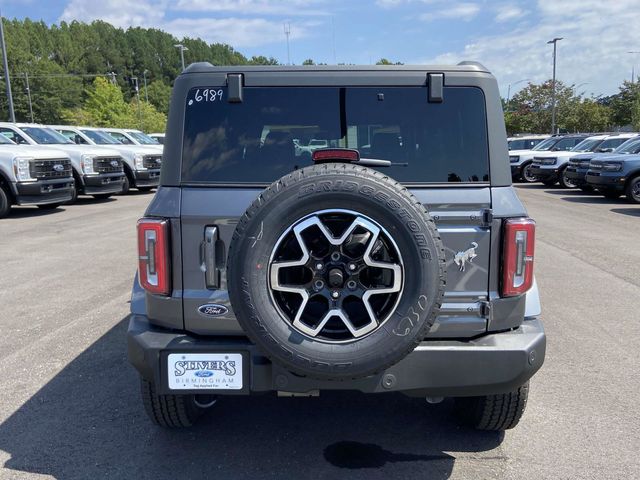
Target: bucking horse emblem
<point x="468" y="255"/>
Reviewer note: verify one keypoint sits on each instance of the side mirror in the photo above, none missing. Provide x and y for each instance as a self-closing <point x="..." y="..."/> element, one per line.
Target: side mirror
<point x="605" y="150"/>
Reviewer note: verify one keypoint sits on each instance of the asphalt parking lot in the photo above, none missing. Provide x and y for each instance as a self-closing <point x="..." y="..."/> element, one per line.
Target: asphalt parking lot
<point x="69" y="405"/>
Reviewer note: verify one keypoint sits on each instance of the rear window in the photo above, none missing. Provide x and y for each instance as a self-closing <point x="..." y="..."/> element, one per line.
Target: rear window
<point x="275" y="130"/>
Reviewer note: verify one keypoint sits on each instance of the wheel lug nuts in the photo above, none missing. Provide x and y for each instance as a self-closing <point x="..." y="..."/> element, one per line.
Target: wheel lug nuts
<point x="352" y="266"/>
<point x="319" y="266"/>
<point x="318" y="285"/>
<point x="335" y="294"/>
<point x="351" y="285"/>
<point x="335" y="256"/>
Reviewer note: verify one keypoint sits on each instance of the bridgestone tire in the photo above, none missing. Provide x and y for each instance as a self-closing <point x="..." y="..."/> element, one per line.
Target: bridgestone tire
<point x="171" y="411"/>
<point x="369" y="193"/>
<point x="493" y="412"/>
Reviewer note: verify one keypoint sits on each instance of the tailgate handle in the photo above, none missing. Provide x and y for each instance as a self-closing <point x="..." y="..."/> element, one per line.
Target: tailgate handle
<point x="211" y="273"/>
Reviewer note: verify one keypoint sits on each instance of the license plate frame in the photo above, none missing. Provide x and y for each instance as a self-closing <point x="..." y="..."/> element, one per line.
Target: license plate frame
<point x="221" y="371"/>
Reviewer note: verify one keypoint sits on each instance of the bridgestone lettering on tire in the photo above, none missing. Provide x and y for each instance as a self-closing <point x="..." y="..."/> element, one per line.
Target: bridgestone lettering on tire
<point x="336" y="272"/>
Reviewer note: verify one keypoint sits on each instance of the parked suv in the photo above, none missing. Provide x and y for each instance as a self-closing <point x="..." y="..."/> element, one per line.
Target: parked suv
<point x="525" y="142"/>
<point x="410" y="269"/>
<point x="521" y="160"/>
<point x="33" y="176"/>
<point x="141" y="163"/>
<point x="97" y="171"/>
<point x="578" y="166"/>
<point x="616" y="175"/>
<point x="550" y="167"/>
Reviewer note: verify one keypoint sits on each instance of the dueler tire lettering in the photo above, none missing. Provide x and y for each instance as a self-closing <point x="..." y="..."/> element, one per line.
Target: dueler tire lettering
<point x="373" y="195"/>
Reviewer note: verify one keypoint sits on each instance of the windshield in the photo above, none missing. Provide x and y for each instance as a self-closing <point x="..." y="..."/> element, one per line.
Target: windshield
<point x="630" y="146"/>
<point x="46" y="136"/>
<point x="252" y="141"/>
<point x="100" y="138"/>
<point x="612" y="143"/>
<point x="546" y="144"/>
<point x="587" y="145"/>
<point x="5" y="141"/>
<point x="143" y="139"/>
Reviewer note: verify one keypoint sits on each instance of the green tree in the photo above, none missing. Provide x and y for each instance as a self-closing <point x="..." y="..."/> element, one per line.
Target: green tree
<point x="159" y="95"/>
<point x="308" y="61"/>
<point x="622" y="103"/>
<point x="105" y="104"/>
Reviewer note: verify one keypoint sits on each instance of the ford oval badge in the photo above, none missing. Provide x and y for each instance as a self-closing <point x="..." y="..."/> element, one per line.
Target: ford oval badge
<point x="203" y="373"/>
<point x="212" y="310"/>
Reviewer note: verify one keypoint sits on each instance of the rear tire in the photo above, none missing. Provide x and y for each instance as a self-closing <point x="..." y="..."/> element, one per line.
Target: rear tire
<point x="74" y="194"/>
<point x="126" y="185"/>
<point x="493" y="412"/>
<point x="173" y="411"/>
<point x="633" y="190"/>
<point x="5" y="202"/>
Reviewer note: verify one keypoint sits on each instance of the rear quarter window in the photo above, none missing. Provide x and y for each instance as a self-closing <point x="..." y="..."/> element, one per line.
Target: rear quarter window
<point x="275" y="130"/>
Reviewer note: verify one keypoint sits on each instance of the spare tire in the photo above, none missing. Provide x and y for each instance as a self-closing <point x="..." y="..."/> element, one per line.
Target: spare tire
<point x="336" y="271"/>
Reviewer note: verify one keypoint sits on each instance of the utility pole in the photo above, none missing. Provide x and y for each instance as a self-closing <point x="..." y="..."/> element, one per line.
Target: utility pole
<point x="182" y="50"/>
<point x="26" y="77"/>
<point x="146" y="94"/>
<point x="553" y="85"/>
<point x="287" y="32"/>
<point x="137" y="89"/>
<point x="7" y="80"/>
<point x="633" y="67"/>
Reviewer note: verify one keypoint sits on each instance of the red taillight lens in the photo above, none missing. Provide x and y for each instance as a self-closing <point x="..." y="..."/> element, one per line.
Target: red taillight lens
<point x="519" y="243"/>
<point x="153" y="255"/>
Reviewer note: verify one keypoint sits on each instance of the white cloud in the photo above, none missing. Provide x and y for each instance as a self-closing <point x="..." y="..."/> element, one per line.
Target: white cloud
<point x="238" y="32"/>
<point x="506" y="13"/>
<point x="252" y="7"/>
<point x="121" y="13"/>
<point x="597" y="36"/>
<point x="459" y="11"/>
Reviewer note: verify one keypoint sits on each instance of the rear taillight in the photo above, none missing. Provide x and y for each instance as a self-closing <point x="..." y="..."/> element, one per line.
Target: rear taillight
<point x="153" y="255"/>
<point x="519" y="243"/>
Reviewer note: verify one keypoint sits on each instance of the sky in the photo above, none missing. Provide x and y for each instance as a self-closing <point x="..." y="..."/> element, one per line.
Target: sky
<point x="507" y="36"/>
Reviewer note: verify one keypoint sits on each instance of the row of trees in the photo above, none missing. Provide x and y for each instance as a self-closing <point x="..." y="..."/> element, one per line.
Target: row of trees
<point x="530" y="109"/>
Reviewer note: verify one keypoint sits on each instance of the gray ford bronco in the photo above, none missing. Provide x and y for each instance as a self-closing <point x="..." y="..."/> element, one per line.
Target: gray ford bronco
<point x="397" y="258"/>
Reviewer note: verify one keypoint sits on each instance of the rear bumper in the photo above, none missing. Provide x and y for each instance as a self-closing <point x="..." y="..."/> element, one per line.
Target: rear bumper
<point x="103" y="183"/>
<point x="43" y="192"/>
<point x="494" y="363"/>
<point x="607" y="181"/>
<point x="147" y="178"/>
<point x="577" y="176"/>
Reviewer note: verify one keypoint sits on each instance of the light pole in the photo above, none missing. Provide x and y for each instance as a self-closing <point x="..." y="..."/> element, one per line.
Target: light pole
<point x="633" y="66"/>
<point x="509" y="89"/>
<point x="144" y="76"/>
<point x="182" y="50"/>
<point x="553" y="85"/>
<point x="7" y="81"/>
<point x="26" y="77"/>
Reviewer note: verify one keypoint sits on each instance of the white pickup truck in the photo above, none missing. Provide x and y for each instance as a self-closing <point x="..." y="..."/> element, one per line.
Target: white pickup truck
<point x="33" y="176"/>
<point x="141" y="162"/>
<point x="97" y="171"/>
